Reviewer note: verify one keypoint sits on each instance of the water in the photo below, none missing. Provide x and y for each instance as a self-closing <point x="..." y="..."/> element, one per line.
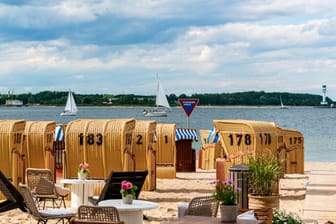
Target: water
<point x="318" y="125"/>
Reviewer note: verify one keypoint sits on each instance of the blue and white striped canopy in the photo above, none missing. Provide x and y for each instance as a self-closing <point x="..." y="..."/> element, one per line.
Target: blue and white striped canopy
<point x="59" y="134"/>
<point x="213" y="136"/>
<point x="186" y="134"/>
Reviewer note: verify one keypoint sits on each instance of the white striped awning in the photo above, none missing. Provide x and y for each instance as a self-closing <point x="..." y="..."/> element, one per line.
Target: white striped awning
<point x="186" y="134"/>
<point x="59" y="134"/>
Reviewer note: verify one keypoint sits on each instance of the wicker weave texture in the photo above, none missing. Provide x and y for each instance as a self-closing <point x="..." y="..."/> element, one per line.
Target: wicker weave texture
<point x="165" y="148"/>
<point x="203" y="206"/>
<point x="241" y="138"/>
<point x="98" y="213"/>
<point x="142" y="148"/>
<point x="41" y="181"/>
<point x="59" y="214"/>
<point x="39" y="136"/>
<point x="11" y="137"/>
<point x="293" y="150"/>
<point x="105" y="144"/>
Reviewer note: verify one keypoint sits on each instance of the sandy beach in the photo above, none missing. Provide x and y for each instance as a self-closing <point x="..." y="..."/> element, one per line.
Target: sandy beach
<point x="172" y="192"/>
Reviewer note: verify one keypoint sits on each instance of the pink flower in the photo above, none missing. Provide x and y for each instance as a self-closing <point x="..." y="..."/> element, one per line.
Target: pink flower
<point x="128" y="188"/>
<point x="83" y="168"/>
<point x="124" y="185"/>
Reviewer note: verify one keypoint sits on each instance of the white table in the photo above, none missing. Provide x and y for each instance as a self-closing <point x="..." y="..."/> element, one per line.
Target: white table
<point x="81" y="190"/>
<point x="130" y="214"/>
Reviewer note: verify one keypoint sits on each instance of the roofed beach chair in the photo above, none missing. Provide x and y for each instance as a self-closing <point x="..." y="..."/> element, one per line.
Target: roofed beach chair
<point x="42" y="216"/>
<point x="96" y="214"/>
<point x="111" y="188"/>
<point x="203" y="206"/>
<point x="14" y="198"/>
<point x="42" y="184"/>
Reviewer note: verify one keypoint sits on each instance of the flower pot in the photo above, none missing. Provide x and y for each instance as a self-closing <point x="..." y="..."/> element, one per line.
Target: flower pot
<point x="228" y="212"/>
<point x="127" y="199"/>
<point x="258" y="201"/>
<point x="82" y="176"/>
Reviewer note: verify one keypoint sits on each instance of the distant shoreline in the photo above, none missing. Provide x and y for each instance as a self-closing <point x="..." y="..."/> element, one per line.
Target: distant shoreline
<point x="137" y="106"/>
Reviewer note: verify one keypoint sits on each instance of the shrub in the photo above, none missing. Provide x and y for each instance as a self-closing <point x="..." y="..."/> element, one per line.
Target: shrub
<point x="282" y="217"/>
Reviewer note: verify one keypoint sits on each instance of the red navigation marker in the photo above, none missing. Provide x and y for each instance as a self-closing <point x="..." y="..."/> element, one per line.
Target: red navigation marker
<point x="188" y="105"/>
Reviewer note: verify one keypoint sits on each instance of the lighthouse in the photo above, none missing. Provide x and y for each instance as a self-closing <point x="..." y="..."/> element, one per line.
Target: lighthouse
<point x="324" y="91"/>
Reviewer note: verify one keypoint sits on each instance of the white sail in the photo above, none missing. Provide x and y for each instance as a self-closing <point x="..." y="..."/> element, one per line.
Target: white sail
<point x="161" y="103"/>
<point x="70" y="106"/>
<point x="161" y="99"/>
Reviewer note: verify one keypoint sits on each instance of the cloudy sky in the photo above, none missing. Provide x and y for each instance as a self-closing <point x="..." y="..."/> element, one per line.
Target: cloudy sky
<point x="195" y="46"/>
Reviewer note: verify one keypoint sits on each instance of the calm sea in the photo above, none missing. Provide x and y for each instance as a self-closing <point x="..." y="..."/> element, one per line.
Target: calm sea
<point x="318" y="125"/>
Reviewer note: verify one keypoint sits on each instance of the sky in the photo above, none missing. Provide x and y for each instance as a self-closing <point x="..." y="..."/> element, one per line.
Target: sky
<point x="194" y="46"/>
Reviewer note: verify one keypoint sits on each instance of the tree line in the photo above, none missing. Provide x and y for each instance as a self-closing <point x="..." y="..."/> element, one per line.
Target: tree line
<point x="249" y="98"/>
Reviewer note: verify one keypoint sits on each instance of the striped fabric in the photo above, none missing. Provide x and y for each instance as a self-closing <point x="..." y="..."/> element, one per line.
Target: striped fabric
<point x="185" y="134"/>
<point x="59" y="135"/>
<point x="213" y="136"/>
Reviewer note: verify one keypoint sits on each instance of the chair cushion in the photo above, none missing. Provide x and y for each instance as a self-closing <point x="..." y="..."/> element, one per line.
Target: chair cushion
<point x="57" y="212"/>
<point x="61" y="191"/>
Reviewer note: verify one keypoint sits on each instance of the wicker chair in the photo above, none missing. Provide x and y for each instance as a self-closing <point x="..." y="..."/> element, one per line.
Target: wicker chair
<point x="203" y="206"/>
<point x="97" y="214"/>
<point x="43" y="186"/>
<point x="14" y="198"/>
<point x="111" y="188"/>
<point x="42" y="216"/>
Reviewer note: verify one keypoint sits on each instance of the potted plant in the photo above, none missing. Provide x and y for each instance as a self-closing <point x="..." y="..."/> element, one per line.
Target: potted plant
<point x="281" y="216"/>
<point x="83" y="170"/>
<point x="128" y="192"/>
<point x="263" y="179"/>
<point x="226" y="193"/>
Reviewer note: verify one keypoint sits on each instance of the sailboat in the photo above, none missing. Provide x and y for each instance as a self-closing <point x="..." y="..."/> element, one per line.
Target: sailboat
<point x="70" y="106"/>
<point x="161" y="103"/>
<point x="282" y="105"/>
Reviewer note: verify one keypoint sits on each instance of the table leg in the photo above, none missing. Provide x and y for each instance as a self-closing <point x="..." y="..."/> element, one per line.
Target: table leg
<point x="87" y="191"/>
<point x="131" y="217"/>
<point x="77" y="195"/>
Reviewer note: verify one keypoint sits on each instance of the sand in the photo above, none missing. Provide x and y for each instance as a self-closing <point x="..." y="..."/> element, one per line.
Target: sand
<point x="171" y="193"/>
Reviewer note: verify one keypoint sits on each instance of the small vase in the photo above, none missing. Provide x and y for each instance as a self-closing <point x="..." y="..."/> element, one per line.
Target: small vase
<point x="127" y="199"/>
<point x="228" y="212"/>
<point x="82" y="176"/>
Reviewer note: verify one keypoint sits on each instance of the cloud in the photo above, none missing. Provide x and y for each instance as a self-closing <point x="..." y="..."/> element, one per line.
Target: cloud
<point x="195" y="46"/>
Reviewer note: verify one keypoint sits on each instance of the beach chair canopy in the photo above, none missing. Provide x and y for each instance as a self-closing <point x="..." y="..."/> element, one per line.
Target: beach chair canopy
<point x="14" y="198"/>
<point x="186" y="134"/>
<point x="112" y="186"/>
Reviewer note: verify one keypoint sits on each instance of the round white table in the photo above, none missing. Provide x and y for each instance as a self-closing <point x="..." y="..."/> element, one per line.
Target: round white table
<point x="81" y="190"/>
<point x="130" y="213"/>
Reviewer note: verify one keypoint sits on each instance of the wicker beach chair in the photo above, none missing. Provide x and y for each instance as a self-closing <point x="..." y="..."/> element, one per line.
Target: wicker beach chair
<point x="203" y="206"/>
<point x="96" y="214"/>
<point x="42" y="216"/>
<point x="14" y="198"/>
<point x="42" y="184"/>
<point x="111" y="188"/>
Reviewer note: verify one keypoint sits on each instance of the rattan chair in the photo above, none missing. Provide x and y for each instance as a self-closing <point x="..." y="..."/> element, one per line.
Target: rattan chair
<point x="42" y="216"/>
<point x="42" y="184"/>
<point x="14" y="198"/>
<point x="203" y="206"/>
<point x="97" y="214"/>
